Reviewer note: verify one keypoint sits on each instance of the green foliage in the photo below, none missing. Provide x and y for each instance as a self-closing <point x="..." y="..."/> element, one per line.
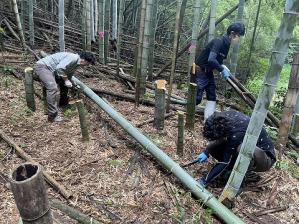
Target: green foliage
<point x="1" y="30"/>
<point x="288" y="166"/>
<point x="70" y="111"/>
<point x="271" y="131"/>
<point x="7" y="81"/>
<point x="115" y="162"/>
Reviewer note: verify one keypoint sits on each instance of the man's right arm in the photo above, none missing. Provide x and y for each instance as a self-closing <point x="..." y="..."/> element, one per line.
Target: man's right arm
<point x="212" y="59"/>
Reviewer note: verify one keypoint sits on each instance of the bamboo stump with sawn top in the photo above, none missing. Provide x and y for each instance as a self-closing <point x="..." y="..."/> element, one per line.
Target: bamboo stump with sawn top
<point x="191" y="106"/>
<point x="29" y="89"/>
<point x="296" y="126"/>
<point x="180" y="141"/>
<point x="28" y="187"/>
<point x="83" y="119"/>
<point x="159" y="104"/>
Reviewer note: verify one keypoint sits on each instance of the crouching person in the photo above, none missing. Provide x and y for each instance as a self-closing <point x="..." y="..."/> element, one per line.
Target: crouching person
<point x="226" y="131"/>
<point x="55" y="72"/>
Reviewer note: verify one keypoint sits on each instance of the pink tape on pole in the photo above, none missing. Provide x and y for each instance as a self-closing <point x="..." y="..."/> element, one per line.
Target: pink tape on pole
<point x="101" y="34"/>
<point x="191" y="47"/>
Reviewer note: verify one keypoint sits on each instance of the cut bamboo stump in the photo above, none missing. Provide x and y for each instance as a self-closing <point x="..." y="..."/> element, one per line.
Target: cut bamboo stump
<point x="83" y="120"/>
<point x="29" y="89"/>
<point x="159" y="104"/>
<point x="180" y="143"/>
<point x="191" y="105"/>
<point x="28" y="187"/>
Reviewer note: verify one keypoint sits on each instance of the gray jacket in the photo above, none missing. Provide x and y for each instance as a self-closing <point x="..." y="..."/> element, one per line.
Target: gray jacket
<point x="63" y="63"/>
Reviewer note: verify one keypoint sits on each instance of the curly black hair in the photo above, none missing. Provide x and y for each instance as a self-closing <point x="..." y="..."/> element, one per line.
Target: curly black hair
<point x="217" y="126"/>
<point x="237" y="27"/>
<point x="88" y="56"/>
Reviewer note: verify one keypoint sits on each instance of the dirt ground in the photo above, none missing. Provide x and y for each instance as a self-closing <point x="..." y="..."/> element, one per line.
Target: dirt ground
<point x="111" y="177"/>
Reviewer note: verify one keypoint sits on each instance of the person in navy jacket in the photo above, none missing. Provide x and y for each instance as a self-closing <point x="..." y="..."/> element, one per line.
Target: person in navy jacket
<point x="210" y="59"/>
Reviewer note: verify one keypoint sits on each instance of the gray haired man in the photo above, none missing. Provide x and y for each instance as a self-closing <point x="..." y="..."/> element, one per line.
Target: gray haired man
<point x="56" y="70"/>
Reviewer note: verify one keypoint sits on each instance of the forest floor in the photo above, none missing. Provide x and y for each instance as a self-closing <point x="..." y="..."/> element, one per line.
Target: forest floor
<point x="111" y="177"/>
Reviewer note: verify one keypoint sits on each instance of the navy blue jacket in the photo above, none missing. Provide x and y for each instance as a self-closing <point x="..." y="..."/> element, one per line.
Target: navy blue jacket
<point x="214" y="53"/>
<point x="228" y="154"/>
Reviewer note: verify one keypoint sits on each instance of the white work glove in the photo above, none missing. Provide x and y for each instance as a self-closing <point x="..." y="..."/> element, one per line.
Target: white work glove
<point x="68" y="83"/>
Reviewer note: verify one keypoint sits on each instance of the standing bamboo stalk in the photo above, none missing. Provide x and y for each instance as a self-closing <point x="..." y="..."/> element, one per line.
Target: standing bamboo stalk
<point x="236" y="46"/>
<point x="88" y="25"/>
<point x="114" y="19"/>
<point x="29" y="190"/>
<point x="212" y="20"/>
<point x="83" y="20"/>
<point x="107" y="29"/>
<point x="180" y="143"/>
<point x="83" y="120"/>
<point x="159" y="104"/>
<point x="29" y="89"/>
<point x="120" y="30"/>
<point x="31" y="24"/>
<point x="92" y="20"/>
<point x="20" y="29"/>
<point x="191" y="106"/>
<point x="289" y="106"/>
<point x="181" y="5"/>
<point x="101" y="30"/>
<point x="279" y="53"/>
<point x="61" y="25"/>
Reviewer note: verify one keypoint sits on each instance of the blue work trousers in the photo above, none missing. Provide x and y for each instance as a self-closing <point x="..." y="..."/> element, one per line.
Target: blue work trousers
<point x="205" y="82"/>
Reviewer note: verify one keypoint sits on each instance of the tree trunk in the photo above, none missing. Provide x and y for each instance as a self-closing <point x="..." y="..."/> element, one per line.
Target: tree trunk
<point x="31" y="24"/>
<point x="289" y="106"/>
<point x="114" y="19"/>
<point x="235" y="47"/>
<point x="180" y="12"/>
<point x="279" y="53"/>
<point x="212" y="20"/>
<point x="120" y="31"/>
<point x="107" y="29"/>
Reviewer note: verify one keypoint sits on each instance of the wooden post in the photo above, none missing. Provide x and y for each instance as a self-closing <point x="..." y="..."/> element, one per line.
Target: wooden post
<point x="180" y="143"/>
<point x="28" y="187"/>
<point x="29" y="90"/>
<point x="191" y="104"/>
<point x="83" y="120"/>
<point x="159" y="104"/>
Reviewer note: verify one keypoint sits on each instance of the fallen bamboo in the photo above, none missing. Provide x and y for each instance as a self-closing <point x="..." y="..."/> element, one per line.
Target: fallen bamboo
<point x="200" y="192"/>
<point x="25" y="156"/>
<point x="271" y="210"/>
<point x="152" y="120"/>
<point x="73" y="213"/>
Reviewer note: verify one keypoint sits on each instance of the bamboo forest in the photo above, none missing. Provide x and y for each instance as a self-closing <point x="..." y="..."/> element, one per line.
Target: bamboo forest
<point x="149" y="111"/>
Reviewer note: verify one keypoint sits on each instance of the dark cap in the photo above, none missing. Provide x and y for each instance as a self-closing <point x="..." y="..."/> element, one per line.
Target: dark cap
<point x="88" y="56"/>
<point x="237" y="27"/>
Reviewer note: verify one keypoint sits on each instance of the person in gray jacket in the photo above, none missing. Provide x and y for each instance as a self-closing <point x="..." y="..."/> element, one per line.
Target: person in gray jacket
<point x="55" y="72"/>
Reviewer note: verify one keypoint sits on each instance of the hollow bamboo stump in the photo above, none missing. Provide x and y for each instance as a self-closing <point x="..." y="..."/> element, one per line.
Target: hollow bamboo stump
<point x="159" y="104"/>
<point x="28" y="187"/>
<point x="180" y="142"/>
<point x="191" y="106"/>
<point x="29" y="89"/>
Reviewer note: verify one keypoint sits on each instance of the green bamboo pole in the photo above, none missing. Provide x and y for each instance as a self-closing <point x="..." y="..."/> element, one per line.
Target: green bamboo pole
<point x="159" y="104"/>
<point x="31" y="23"/>
<point x="29" y="89"/>
<point x="180" y="141"/>
<point x="224" y="213"/>
<point x="83" y="26"/>
<point x="296" y="126"/>
<point x="101" y="30"/>
<point x="61" y="25"/>
<point x="23" y="12"/>
<point x="279" y="53"/>
<point x="211" y="34"/>
<point x="191" y="106"/>
<point x="114" y="19"/>
<point x="236" y="46"/>
<point x="83" y="120"/>
<point x="180" y="12"/>
<point x="92" y="18"/>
